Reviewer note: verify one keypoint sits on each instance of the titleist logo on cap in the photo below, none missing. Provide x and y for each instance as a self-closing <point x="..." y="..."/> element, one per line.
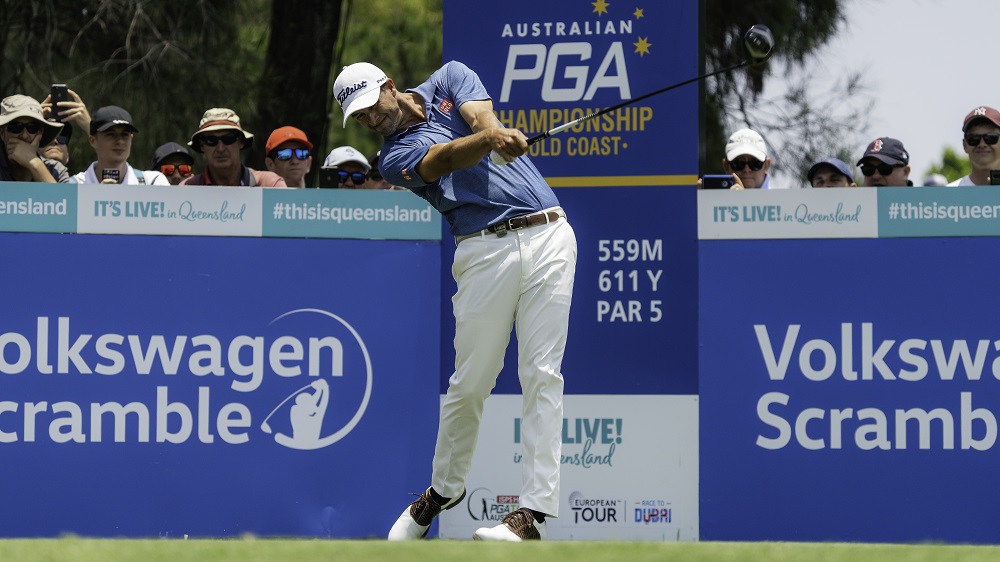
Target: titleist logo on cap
<point x="350" y="90"/>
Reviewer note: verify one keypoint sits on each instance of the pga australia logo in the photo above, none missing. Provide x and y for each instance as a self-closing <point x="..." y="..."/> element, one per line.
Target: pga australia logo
<point x="300" y="416"/>
<point x="484" y="505"/>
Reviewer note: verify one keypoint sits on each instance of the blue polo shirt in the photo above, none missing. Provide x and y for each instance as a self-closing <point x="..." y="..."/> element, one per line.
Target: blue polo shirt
<point x="472" y="198"/>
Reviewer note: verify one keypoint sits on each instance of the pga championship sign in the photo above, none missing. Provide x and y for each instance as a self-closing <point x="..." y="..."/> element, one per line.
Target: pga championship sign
<point x="546" y="64"/>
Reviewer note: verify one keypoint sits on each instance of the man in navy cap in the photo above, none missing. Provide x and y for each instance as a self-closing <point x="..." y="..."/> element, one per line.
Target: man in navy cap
<point x="111" y="131"/>
<point x="830" y="172"/>
<point x="886" y="163"/>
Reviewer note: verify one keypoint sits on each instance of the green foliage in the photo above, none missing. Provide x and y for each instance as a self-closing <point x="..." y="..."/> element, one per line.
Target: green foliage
<point x="165" y="62"/>
<point x="403" y="38"/>
<point x="953" y="165"/>
<point x="805" y="123"/>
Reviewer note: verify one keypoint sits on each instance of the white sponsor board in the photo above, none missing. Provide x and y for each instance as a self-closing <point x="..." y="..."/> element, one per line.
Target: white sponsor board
<point x="788" y="213"/>
<point x="629" y="472"/>
<point x="177" y="210"/>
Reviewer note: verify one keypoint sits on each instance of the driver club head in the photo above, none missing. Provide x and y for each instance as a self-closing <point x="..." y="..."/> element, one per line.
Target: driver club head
<point x="759" y="43"/>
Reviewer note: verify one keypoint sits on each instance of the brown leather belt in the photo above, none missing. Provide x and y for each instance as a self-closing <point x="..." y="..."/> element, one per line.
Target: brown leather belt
<point x="516" y="223"/>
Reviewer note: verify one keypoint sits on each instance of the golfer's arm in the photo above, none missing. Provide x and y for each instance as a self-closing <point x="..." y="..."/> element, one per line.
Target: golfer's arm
<point x="465" y="152"/>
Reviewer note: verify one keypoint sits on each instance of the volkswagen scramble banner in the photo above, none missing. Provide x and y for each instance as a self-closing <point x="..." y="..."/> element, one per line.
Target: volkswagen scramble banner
<point x="849" y="390"/>
<point x="207" y="386"/>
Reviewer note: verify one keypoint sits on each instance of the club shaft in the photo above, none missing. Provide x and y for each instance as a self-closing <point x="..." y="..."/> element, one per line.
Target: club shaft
<point x="615" y="107"/>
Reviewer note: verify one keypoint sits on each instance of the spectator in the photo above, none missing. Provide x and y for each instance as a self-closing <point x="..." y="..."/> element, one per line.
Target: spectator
<point x="288" y="155"/>
<point x="981" y="130"/>
<point x="173" y="161"/>
<point x="58" y="149"/>
<point x="348" y="167"/>
<point x="220" y="138"/>
<point x="23" y="129"/>
<point x="375" y="179"/>
<point x="830" y="172"/>
<point x="111" y="133"/>
<point x="886" y="163"/>
<point x="935" y="180"/>
<point x="70" y="112"/>
<point x="746" y="158"/>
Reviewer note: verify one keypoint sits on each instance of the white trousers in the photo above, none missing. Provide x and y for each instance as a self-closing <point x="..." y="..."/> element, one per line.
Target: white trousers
<point x="524" y="279"/>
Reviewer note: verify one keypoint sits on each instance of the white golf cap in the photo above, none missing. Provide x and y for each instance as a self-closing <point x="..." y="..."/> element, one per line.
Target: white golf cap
<point x="746" y="141"/>
<point x="343" y="154"/>
<point x="357" y="87"/>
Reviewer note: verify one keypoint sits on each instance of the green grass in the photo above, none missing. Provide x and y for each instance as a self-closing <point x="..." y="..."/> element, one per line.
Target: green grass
<point x="292" y="550"/>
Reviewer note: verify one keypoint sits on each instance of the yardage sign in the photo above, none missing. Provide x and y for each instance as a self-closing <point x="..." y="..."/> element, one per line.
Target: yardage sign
<point x="548" y="63"/>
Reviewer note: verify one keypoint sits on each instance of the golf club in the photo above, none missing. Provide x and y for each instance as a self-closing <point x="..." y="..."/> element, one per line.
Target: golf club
<point x="758" y="42"/>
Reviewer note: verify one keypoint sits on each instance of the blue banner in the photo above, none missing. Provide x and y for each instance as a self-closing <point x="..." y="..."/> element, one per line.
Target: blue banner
<point x="849" y="390"/>
<point x="206" y="386"/>
<point x="348" y="213"/>
<point x="939" y="211"/>
<point x="28" y="207"/>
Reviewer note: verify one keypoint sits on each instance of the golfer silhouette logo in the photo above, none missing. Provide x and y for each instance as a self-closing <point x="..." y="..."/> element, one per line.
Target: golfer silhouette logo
<point x="306" y="416"/>
<point x="310" y="403"/>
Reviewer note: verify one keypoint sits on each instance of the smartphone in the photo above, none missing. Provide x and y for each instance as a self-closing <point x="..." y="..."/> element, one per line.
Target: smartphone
<point x="59" y="92"/>
<point x="328" y="177"/>
<point x="717" y="182"/>
<point x="110" y="174"/>
<point x="994" y="177"/>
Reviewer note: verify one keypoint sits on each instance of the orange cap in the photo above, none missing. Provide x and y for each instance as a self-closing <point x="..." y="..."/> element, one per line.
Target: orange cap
<point x="285" y="134"/>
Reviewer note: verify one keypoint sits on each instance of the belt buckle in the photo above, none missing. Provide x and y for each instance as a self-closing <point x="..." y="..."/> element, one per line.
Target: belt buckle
<point x="501" y="229"/>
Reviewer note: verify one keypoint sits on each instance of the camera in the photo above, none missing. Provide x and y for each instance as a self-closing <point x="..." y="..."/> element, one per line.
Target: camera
<point x="994" y="177"/>
<point x="717" y="182"/>
<point x="59" y="92"/>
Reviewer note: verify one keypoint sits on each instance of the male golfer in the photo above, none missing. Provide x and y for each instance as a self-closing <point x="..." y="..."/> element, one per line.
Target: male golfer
<point x="514" y="265"/>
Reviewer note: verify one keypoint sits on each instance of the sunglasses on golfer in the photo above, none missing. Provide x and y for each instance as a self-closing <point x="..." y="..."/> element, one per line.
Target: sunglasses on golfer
<point x="357" y="177"/>
<point x="16" y="127"/>
<point x="972" y="139"/>
<point x="169" y="169"/>
<point x="227" y="139"/>
<point x="884" y="169"/>
<point x="284" y="154"/>
<point x="740" y="163"/>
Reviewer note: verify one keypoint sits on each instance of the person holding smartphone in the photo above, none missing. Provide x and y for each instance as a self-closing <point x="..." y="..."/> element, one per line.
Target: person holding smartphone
<point x="345" y="168"/>
<point x="111" y="132"/>
<point x="23" y="130"/>
<point x="63" y="105"/>
<point x="746" y="159"/>
<point x="980" y="133"/>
